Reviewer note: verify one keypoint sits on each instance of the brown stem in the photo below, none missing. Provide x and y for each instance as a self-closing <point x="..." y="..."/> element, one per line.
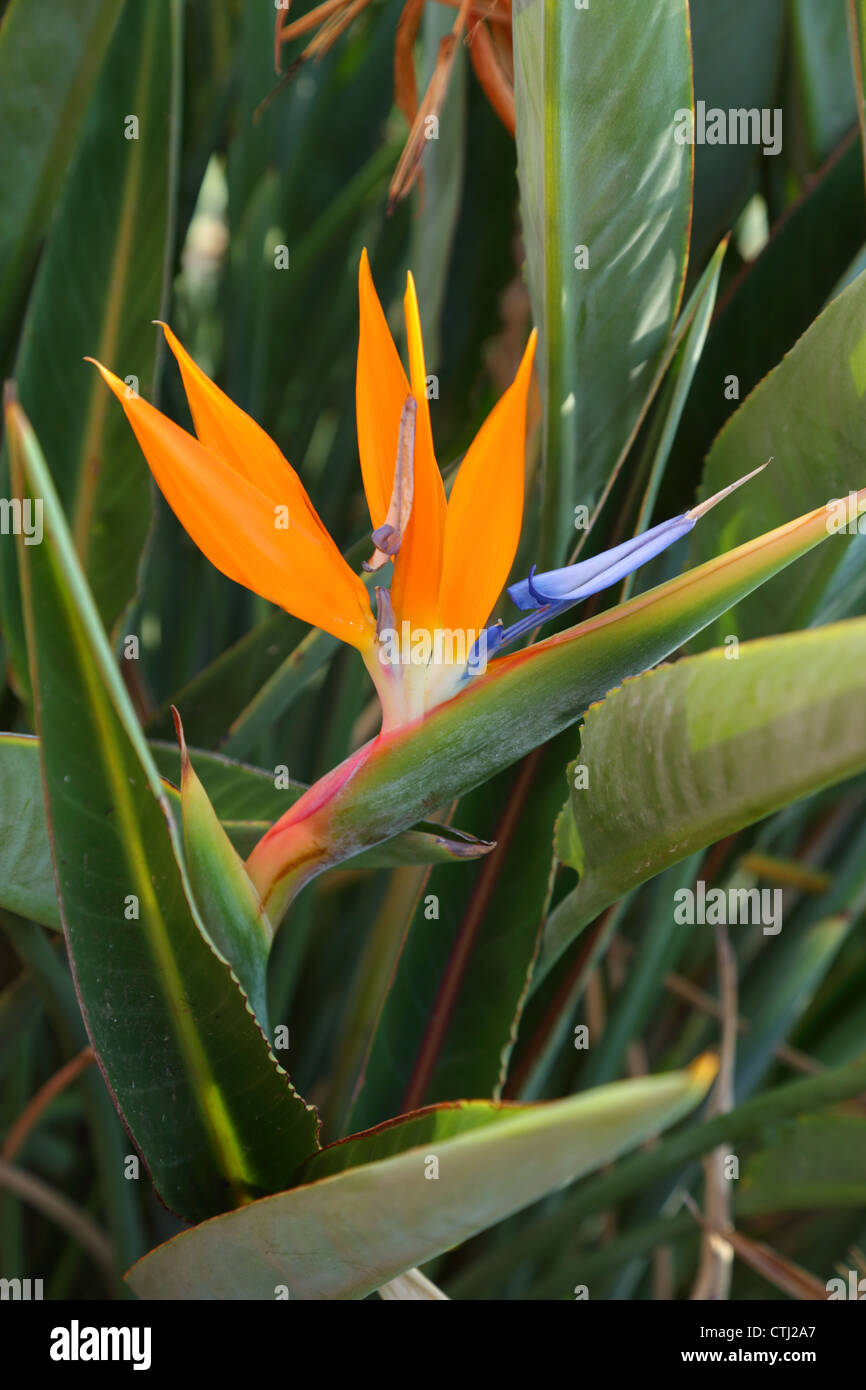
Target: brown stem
<point x="44" y="1096"/>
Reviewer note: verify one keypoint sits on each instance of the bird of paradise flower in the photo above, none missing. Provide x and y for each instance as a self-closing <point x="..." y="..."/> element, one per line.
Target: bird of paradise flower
<point x="449" y="559"/>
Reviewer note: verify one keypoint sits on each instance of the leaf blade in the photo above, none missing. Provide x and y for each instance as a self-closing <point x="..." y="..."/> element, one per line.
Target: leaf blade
<point x="536" y="1150"/>
<point x="213" y="1115"/>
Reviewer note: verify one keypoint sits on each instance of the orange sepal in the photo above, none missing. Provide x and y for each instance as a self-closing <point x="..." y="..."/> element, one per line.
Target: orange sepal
<point x="381" y="389"/>
<point x="485" y="509"/>
<point x="418" y="566"/>
<point x="236" y="526"/>
<point x="229" y="432"/>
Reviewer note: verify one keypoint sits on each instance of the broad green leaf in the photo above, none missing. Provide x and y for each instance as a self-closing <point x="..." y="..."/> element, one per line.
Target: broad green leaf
<point x="737" y="50"/>
<point x="822" y="56"/>
<point x="47" y="75"/>
<point x="316" y="1239"/>
<point x="757" y="319"/>
<point x="215" y="1117"/>
<point x="819" y="1161"/>
<point x="809" y="415"/>
<point x="108" y="240"/>
<point x="695" y="751"/>
<point x="521" y="702"/>
<point x="596" y="92"/>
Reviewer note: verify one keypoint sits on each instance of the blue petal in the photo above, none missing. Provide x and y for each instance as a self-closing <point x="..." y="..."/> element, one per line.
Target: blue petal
<point x="591" y="576"/>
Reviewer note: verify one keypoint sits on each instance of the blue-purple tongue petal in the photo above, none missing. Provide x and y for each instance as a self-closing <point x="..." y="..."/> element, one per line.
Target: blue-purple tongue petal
<point x="591" y="576"/>
<point x="565" y="586"/>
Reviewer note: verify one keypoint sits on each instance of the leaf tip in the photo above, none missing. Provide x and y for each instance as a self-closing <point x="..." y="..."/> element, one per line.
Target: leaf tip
<point x="703" y="1069"/>
<point x="181" y="741"/>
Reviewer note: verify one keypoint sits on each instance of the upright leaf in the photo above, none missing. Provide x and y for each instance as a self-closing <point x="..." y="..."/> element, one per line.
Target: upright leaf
<point x="606" y="199"/>
<point x="823" y="60"/>
<point x="755" y="323"/>
<point x="97" y="291"/>
<point x="738" y="48"/>
<point x="47" y="74"/>
<point x="215" y="1117"/>
<point x="232" y="914"/>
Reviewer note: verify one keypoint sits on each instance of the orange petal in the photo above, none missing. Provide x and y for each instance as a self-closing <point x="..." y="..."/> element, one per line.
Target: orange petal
<point x="236" y="526"/>
<point x="415" y="587"/>
<point x="381" y="389"/>
<point x="485" y="509"/>
<point x="228" y="431"/>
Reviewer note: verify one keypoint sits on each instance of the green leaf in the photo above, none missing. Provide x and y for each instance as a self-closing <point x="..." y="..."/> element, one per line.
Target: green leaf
<point x="808" y="414"/>
<point x="776" y="993"/>
<point x="737" y="55"/>
<point x="819" y="30"/>
<point x="316" y="1238"/>
<point x="26" y="874"/>
<point x="756" y="321"/>
<point x="247" y="687"/>
<point x="596" y="92"/>
<point x="697" y="315"/>
<point x="47" y="75"/>
<point x="235" y="920"/>
<point x="521" y="702"/>
<point x="215" y="1117"/>
<point x="819" y="1161"/>
<point x="683" y="756"/>
<point x="213" y="699"/>
<point x="108" y="240"/>
<point x="659" y="949"/>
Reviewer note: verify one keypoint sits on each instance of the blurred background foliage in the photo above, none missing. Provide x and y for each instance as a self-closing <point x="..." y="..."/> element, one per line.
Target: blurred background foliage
<point x="100" y="235"/>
